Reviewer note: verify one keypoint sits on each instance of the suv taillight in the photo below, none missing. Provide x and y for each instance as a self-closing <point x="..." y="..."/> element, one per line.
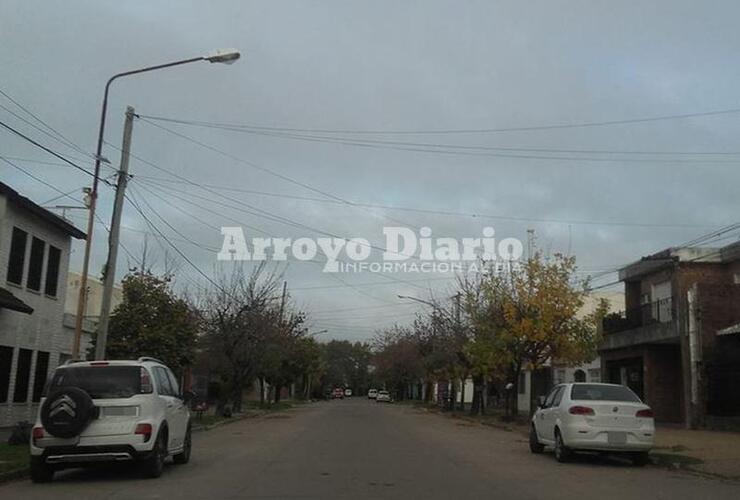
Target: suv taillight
<point x="144" y="430"/>
<point x="581" y="410"/>
<point x="145" y="381"/>
<point x="37" y="433"/>
<point x="646" y="413"/>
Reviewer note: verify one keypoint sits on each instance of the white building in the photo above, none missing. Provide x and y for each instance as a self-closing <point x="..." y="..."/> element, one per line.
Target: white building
<point x="556" y="373"/>
<point x="34" y="258"/>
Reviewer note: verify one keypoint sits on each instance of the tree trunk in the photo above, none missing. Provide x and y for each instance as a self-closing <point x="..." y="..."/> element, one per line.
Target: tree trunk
<point x="514" y="396"/>
<point x="237" y="399"/>
<point x="462" y="394"/>
<point x="477" y="407"/>
<point x="262" y="391"/>
<point x="278" y="388"/>
<point x="453" y="395"/>
<point x="428" y="391"/>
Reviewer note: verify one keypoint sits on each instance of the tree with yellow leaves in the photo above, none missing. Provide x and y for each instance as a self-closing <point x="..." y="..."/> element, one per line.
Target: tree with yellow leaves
<point x="528" y="315"/>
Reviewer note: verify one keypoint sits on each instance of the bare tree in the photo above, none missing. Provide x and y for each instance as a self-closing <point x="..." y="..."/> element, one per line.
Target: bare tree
<point x="238" y="315"/>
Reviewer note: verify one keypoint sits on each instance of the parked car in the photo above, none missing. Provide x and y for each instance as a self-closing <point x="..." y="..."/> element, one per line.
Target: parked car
<point x="348" y="393"/>
<point x="338" y="393"/>
<point x="383" y="397"/>
<point x="110" y="411"/>
<point x="372" y="394"/>
<point x="593" y="417"/>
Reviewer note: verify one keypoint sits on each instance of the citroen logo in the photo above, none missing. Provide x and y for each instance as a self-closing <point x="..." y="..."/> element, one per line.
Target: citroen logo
<point x="63" y="404"/>
<point x="615" y="409"/>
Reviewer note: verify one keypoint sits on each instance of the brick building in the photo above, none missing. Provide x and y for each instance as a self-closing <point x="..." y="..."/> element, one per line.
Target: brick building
<point x="669" y="346"/>
<point x="34" y="257"/>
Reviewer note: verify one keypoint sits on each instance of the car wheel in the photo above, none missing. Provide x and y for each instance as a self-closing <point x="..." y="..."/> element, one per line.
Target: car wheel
<point x="41" y="472"/>
<point x="640" y="458"/>
<point x="184" y="457"/>
<point x="153" y="466"/>
<point x="534" y="444"/>
<point x="562" y="452"/>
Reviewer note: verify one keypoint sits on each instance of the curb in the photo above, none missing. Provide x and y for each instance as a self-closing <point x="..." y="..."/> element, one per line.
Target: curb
<point x="235" y="418"/>
<point x="14" y="474"/>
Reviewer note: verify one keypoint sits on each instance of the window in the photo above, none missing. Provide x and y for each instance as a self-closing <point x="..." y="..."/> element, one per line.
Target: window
<point x="551" y="396"/>
<point x="22" y="373"/>
<point x="173" y="383"/>
<point x="52" y="271"/>
<point x="559" y="376"/>
<point x="63" y="358"/>
<point x="100" y="382"/>
<point x="558" y="397"/>
<point x="163" y="382"/>
<point x="17" y="256"/>
<point x="594" y="375"/>
<point x="39" y="375"/>
<point x="6" y="359"/>
<point x="35" y="265"/>
<point x="661" y="308"/>
<point x="579" y="375"/>
<point x="522" y="383"/>
<point x="587" y="392"/>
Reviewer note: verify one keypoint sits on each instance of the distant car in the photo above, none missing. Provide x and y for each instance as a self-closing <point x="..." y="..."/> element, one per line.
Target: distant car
<point x="110" y="411"/>
<point x="348" y="393"/>
<point x="338" y="393"/>
<point x="383" y="397"/>
<point x="372" y="394"/>
<point x="593" y="417"/>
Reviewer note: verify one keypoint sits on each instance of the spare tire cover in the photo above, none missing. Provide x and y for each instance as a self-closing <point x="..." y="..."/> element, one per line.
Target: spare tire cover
<point x="66" y="412"/>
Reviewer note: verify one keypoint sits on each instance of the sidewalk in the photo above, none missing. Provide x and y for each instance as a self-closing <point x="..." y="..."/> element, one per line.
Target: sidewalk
<point x="715" y="453"/>
<point x="712" y="453"/>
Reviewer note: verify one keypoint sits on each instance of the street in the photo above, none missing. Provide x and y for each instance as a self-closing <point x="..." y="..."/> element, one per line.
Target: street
<point x="356" y="448"/>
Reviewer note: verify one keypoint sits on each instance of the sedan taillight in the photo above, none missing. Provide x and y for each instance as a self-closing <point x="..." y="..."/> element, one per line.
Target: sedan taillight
<point x="646" y="413"/>
<point x="581" y="410"/>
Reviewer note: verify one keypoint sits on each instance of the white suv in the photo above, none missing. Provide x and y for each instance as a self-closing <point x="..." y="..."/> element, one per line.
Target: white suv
<point x="110" y="411"/>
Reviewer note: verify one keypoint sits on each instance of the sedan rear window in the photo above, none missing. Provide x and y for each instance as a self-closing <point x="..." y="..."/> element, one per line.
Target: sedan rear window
<point x="100" y="382"/>
<point x="593" y="392"/>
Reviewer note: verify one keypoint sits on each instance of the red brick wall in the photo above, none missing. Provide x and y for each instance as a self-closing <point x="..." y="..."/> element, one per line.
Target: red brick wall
<point x="663" y="382"/>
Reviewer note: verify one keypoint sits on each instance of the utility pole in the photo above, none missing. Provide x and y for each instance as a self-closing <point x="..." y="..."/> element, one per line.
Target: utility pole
<point x="530" y="243"/>
<point x="113" y="237"/>
<point x="282" y="299"/>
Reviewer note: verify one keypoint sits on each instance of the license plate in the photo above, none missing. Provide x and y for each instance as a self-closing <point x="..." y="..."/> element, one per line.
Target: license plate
<point x="617" y="437"/>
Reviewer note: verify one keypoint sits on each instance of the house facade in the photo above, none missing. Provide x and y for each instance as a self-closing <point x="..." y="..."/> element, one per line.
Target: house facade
<point x="34" y="258"/>
<point x="674" y="344"/>
<point x="532" y="385"/>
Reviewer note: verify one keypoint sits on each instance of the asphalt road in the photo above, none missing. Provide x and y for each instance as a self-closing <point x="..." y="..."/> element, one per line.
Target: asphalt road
<point x="355" y="449"/>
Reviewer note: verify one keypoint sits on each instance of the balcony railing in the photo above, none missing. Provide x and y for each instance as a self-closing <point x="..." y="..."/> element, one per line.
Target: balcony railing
<point x="660" y="311"/>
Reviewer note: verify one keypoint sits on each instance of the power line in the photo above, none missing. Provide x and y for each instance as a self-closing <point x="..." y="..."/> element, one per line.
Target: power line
<point x="41" y="146"/>
<point x="172" y="245"/>
<point x="59" y="136"/>
<point x="331" y="275"/>
<point x="258" y="212"/>
<point x="554" y="126"/>
<point x="174" y="229"/>
<point x="434" y="211"/>
<point x="472" y="150"/>
<point x="38" y="179"/>
<point x="264" y="169"/>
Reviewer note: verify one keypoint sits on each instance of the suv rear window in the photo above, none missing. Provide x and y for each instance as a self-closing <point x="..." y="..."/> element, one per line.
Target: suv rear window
<point x="100" y="382"/>
<point x="593" y="392"/>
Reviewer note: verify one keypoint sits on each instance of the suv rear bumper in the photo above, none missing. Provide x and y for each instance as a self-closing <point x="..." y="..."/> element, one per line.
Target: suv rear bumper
<point x="71" y="456"/>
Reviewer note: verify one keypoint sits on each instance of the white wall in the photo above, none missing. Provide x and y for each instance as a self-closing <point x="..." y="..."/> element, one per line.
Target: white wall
<point x="43" y="329"/>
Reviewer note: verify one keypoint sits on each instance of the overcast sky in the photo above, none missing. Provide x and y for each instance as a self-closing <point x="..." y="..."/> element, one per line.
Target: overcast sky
<point x="388" y="66"/>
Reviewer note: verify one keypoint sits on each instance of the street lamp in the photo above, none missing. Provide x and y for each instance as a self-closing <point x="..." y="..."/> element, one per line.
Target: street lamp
<point x="227" y="56"/>
<point x="415" y="299"/>
<point x="313" y="334"/>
